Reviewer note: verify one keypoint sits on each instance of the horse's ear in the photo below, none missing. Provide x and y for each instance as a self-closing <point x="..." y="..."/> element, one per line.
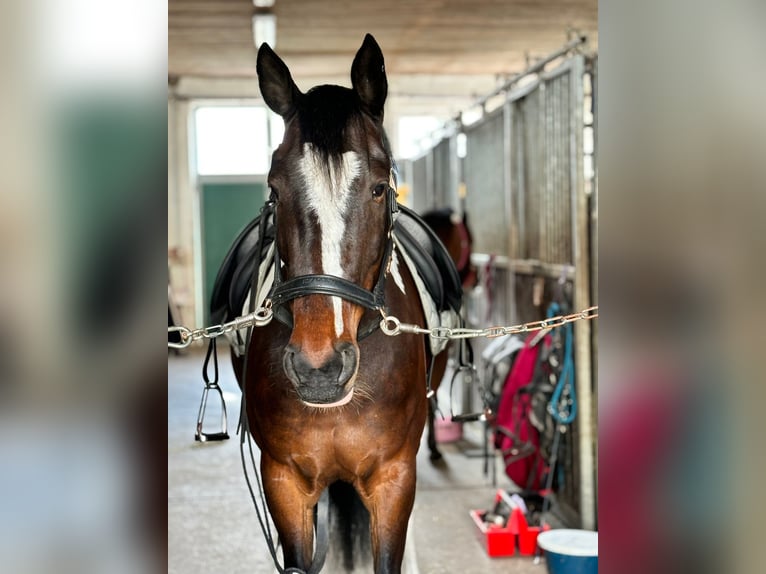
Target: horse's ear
<point x="368" y="76"/>
<point x="277" y="87"/>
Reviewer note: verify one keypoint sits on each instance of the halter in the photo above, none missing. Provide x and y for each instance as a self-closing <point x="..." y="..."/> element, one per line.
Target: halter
<point x="283" y="292"/>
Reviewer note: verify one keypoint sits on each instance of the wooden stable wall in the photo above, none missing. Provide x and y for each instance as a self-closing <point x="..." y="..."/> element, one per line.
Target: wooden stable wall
<point x="528" y="201"/>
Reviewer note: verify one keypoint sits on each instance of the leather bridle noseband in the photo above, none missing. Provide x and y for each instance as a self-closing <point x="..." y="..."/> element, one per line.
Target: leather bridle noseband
<point x="283" y="292"/>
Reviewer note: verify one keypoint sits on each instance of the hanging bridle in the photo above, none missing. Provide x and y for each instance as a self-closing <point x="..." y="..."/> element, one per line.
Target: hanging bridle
<point x="283" y="292"/>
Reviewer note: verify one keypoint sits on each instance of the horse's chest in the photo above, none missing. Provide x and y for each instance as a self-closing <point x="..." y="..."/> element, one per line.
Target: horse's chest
<point x="343" y="450"/>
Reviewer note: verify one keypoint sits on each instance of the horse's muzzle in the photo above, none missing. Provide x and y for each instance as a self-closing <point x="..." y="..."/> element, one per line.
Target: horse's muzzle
<point x="324" y="383"/>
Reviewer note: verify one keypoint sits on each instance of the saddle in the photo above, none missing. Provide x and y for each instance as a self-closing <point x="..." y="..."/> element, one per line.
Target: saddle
<point x="432" y="261"/>
<point x="422" y="250"/>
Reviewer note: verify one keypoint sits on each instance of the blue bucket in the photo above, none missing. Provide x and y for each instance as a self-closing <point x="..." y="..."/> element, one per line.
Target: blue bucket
<point x="570" y="551"/>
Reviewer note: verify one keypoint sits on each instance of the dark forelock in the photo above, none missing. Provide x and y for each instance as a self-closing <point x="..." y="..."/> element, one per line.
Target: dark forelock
<point x="324" y="115"/>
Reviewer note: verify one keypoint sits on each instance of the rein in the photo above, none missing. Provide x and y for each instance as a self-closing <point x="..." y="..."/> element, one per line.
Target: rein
<point x="261" y="509"/>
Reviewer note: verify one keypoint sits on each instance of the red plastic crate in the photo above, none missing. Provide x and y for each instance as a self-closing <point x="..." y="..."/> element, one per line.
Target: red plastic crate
<point x="502" y="540"/>
<point x="497" y="540"/>
<point x="528" y="541"/>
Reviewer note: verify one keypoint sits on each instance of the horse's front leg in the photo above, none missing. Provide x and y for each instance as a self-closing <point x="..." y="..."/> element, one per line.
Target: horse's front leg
<point x="389" y="494"/>
<point x="291" y="499"/>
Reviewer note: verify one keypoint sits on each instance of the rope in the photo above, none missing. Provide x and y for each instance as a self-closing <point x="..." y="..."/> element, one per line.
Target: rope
<point x="563" y="404"/>
<point x="562" y="408"/>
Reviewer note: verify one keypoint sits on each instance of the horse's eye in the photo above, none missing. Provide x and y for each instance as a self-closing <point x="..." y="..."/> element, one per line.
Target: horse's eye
<point x="379" y="190"/>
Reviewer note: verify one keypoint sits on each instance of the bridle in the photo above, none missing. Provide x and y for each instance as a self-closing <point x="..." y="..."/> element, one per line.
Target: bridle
<point x="284" y="291"/>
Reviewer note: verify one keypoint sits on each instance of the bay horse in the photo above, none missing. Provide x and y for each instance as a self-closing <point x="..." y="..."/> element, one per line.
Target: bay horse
<point x="454" y="233"/>
<point x="332" y="400"/>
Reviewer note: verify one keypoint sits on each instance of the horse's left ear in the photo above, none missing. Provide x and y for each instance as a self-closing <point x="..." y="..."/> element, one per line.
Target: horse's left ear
<point x="368" y="76"/>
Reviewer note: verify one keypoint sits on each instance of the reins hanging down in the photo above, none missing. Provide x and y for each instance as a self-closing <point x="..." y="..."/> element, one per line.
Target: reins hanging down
<point x="261" y="509"/>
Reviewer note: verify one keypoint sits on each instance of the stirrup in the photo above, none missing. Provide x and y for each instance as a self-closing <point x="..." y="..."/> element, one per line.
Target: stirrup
<point x="482" y="415"/>
<point x="202" y="436"/>
<point x="223" y="434"/>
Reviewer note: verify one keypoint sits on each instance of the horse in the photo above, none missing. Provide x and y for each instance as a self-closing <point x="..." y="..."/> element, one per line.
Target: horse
<point x="332" y="401"/>
<point x="454" y="233"/>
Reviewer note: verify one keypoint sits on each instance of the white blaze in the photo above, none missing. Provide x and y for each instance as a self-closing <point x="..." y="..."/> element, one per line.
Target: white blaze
<point x="328" y="193"/>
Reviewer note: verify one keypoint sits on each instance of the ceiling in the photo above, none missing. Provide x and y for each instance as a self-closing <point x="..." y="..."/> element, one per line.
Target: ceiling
<point x="437" y="51"/>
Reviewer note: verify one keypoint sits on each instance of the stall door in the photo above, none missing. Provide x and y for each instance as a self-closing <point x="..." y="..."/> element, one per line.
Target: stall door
<point x="226" y="209"/>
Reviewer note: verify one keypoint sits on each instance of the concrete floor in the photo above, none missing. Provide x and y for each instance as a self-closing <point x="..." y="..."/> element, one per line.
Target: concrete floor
<point x="212" y="526"/>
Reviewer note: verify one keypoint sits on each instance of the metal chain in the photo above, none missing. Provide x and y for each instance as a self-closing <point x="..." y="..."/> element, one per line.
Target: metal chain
<point x="390" y="326"/>
<point x="258" y="318"/>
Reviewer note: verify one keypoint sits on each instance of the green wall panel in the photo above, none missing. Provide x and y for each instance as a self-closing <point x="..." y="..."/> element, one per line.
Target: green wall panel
<point x="226" y="209"/>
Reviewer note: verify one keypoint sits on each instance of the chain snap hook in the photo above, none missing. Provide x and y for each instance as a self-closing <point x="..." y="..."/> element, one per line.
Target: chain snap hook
<point x="185" y="335"/>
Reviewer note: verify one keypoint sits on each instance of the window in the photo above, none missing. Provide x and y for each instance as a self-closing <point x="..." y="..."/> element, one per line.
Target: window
<point x="414" y="134"/>
<point x="232" y="140"/>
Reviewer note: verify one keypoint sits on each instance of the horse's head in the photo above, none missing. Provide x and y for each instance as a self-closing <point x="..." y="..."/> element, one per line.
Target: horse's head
<point x="330" y="178"/>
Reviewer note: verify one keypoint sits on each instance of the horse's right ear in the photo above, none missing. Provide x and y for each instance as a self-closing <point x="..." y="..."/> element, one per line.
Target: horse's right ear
<point x="277" y="87"/>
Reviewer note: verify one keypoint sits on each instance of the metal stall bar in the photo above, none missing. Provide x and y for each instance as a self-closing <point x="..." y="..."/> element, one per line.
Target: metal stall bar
<point x="508" y="193"/>
<point x="534" y="69"/>
<point x="485" y="183"/>
<point x="430" y="195"/>
<point x="593" y="66"/>
<point x="444" y="174"/>
<point x="454" y="176"/>
<point x="542" y="202"/>
<point x="526" y="266"/>
<point x="419" y="190"/>
<point x="536" y="166"/>
<point x="520" y="124"/>
<point x="580" y="215"/>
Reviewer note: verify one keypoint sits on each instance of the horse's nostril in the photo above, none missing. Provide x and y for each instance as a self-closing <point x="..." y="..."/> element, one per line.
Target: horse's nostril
<point x="349" y="358"/>
<point x="288" y="363"/>
<point x="345" y="350"/>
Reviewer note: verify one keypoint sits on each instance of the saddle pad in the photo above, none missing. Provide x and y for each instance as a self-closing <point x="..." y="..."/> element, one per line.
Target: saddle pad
<point x="235" y="275"/>
<point x="433" y="262"/>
